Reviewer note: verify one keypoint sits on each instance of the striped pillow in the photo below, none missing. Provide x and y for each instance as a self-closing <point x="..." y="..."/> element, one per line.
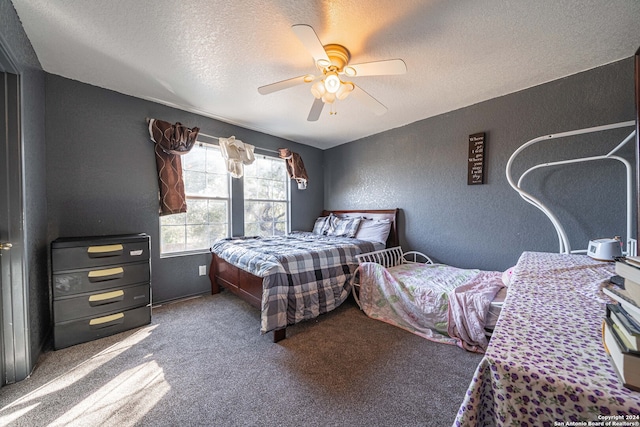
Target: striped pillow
<point x="322" y="225"/>
<point x="343" y="227"/>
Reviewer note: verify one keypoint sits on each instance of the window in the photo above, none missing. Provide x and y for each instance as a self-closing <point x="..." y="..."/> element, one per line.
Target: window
<point x="266" y="197"/>
<point x="209" y="209"/>
<point x="207" y="190"/>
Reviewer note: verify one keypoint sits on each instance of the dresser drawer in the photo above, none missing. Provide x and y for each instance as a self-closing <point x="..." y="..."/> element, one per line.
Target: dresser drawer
<point x="88" y="252"/>
<point x="97" y="303"/>
<point x="99" y="278"/>
<point x="86" y="329"/>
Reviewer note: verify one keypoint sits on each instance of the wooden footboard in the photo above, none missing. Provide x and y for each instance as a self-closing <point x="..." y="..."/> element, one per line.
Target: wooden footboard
<point x="243" y="284"/>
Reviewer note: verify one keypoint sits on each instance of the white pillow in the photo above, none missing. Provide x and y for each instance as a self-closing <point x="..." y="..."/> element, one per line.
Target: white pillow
<point x="374" y="230"/>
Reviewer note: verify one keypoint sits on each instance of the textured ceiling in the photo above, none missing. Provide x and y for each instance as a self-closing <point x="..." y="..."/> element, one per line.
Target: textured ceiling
<point x="210" y="56"/>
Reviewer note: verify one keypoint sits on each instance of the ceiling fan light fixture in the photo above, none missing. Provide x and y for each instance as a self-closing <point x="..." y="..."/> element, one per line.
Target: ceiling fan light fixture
<point x="332" y="83"/>
<point x="329" y="98"/>
<point x="318" y="89"/>
<point x="345" y="89"/>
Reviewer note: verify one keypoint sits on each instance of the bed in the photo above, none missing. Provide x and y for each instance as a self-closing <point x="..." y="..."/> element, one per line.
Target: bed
<point x="300" y="275"/>
<point x="435" y="301"/>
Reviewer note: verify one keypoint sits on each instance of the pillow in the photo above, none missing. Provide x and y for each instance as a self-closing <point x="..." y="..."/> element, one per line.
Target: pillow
<point x="322" y="225"/>
<point x="343" y="227"/>
<point x="374" y="230"/>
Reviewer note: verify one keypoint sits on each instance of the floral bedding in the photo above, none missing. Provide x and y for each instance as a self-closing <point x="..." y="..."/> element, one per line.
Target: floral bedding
<point x="435" y="301"/>
<point x="546" y="364"/>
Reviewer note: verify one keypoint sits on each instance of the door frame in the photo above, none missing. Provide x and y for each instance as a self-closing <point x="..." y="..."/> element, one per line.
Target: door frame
<point x="14" y="298"/>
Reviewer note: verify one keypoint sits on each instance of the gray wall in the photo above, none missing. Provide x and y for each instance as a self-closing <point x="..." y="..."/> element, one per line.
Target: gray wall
<point x="15" y="41"/>
<point x="421" y="168"/>
<point x="102" y="177"/>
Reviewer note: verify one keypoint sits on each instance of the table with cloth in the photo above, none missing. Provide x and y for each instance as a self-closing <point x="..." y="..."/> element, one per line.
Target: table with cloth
<point x="546" y="364"/>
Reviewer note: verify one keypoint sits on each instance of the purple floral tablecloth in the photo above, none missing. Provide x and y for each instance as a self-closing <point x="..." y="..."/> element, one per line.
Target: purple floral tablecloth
<point x="546" y="364"/>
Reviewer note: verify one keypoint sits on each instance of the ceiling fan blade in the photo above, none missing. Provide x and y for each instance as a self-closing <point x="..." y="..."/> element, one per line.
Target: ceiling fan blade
<point x="368" y="100"/>
<point x="316" y="109"/>
<point x="285" y="84"/>
<point x="379" y="68"/>
<point x="311" y="42"/>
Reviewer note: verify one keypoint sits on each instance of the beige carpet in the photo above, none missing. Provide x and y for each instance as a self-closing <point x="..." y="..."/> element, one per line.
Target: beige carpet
<point x="203" y="362"/>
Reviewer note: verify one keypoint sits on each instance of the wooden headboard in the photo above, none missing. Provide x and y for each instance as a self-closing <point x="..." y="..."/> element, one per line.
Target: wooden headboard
<point x="391" y="214"/>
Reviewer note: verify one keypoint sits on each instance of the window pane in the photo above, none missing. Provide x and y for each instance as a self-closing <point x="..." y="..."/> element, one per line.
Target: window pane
<point x="198" y="236"/>
<point x="197" y="211"/>
<point x="194" y="182"/>
<point x="218" y="231"/>
<point x="217" y="185"/>
<point x="175" y="219"/>
<point x="218" y="212"/>
<point x="215" y="161"/>
<point x="195" y="160"/>
<point x="280" y="228"/>
<point x="204" y="172"/>
<point x="251" y="229"/>
<point x="173" y="238"/>
<point x="279" y="191"/>
<point x="250" y="186"/>
<point x="265" y="218"/>
<point x="279" y="211"/>
<point x="206" y="221"/>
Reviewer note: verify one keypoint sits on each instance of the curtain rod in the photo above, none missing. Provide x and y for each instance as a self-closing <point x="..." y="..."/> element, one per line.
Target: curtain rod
<point x="257" y="148"/>
<point x="217" y="137"/>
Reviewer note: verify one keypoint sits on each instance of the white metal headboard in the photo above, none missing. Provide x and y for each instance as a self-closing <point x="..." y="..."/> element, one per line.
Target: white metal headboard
<point x="565" y="247"/>
<point x="393" y="256"/>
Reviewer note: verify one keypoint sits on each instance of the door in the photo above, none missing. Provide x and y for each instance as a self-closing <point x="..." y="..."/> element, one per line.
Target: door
<point x="4" y="298"/>
<point x="14" y="339"/>
<point x="3" y="233"/>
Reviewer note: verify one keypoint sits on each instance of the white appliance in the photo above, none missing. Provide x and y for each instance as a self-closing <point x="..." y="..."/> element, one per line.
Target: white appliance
<point x="605" y="249"/>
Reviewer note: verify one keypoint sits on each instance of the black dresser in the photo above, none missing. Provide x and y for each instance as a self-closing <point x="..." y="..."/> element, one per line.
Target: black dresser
<point x="101" y="286"/>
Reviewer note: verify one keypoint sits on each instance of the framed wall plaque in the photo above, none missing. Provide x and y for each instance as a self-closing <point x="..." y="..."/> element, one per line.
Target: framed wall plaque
<point x="475" y="166"/>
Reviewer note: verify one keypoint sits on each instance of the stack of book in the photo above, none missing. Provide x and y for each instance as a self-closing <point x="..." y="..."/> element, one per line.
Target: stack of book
<point x="621" y="327"/>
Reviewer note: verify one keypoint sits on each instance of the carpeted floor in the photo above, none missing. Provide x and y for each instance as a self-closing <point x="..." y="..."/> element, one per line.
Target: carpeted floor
<point x="203" y="362"/>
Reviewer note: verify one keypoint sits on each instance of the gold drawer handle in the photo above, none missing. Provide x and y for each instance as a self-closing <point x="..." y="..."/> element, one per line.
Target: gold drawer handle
<point x="116" y="271"/>
<point x="106" y="319"/>
<point x="106" y="295"/>
<point x="105" y="250"/>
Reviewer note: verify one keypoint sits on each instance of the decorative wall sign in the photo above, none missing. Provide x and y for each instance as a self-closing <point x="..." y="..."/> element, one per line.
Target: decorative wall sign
<point x="475" y="172"/>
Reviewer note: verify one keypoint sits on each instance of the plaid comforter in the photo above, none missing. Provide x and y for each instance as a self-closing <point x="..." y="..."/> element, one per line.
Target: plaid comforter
<point x="304" y="274"/>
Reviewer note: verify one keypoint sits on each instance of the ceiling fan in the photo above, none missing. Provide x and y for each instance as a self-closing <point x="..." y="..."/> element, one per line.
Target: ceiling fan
<point x="332" y="60"/>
